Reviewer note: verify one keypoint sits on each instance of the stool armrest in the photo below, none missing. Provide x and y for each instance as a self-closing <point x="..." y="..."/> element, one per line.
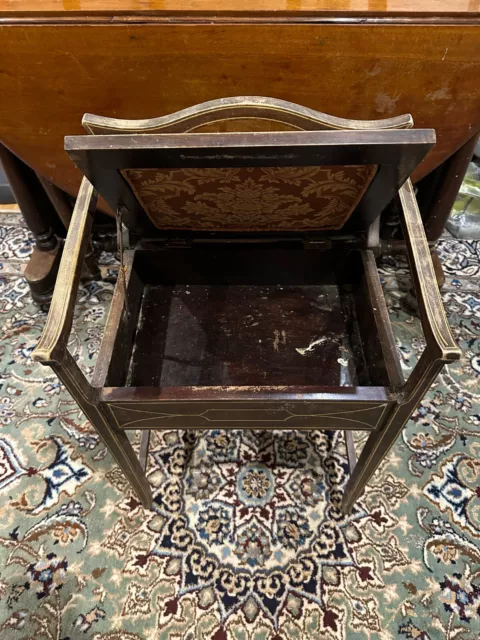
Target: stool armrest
<point x="53" y="342"/>
<point x="440" y="344"/>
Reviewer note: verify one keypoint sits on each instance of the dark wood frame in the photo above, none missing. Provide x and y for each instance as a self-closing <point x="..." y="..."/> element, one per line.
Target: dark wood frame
<point x="382" y="410"/>
<point x="396" y="153"/>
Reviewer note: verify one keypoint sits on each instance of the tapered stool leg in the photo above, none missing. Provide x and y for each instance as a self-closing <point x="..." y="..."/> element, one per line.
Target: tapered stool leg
<point x="380" y="442"/>
<point x="115" y="440"/>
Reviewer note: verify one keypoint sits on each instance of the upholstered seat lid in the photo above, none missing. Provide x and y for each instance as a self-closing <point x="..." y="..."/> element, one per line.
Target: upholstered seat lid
<point x="250" y="199"/>
<point x="248" y="165"/>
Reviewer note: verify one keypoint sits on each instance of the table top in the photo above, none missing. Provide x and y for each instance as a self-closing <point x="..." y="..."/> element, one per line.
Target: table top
<point x="430" y="8"/>
<point x="62" y="58"/>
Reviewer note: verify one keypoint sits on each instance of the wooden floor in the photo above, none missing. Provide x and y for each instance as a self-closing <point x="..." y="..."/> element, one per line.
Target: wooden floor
<point x="9" y="208"/>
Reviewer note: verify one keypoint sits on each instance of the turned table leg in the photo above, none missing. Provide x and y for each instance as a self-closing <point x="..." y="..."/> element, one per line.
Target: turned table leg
<point x="37" y="211"/>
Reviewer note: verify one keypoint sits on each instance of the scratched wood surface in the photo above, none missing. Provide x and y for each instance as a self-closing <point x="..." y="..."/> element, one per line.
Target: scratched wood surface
<point x="246" y="335"/>
<point x="51" y="74"/>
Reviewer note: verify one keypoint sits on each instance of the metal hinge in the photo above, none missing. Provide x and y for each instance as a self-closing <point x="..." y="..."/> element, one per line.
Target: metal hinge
<point x="122" y="240"/>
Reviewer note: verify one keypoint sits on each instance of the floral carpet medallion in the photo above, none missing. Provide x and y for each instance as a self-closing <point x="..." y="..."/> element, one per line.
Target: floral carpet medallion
<point x="246" y="540"/>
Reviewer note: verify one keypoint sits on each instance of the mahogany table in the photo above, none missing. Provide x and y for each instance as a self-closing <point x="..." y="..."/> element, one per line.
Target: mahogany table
<point x="138" y="58"/>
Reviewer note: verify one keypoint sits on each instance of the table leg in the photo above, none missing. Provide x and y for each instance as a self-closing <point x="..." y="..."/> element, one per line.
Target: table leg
<point x="437" y="193"/>
<point x="37" y="211"/>
<point x="444" y="185"/>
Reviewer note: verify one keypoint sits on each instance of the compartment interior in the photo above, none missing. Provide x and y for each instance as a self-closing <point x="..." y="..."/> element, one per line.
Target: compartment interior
<point x="231" y="314"/>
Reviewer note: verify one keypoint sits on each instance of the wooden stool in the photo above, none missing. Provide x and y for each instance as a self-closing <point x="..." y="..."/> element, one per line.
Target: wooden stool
<point x="248" y="295"/>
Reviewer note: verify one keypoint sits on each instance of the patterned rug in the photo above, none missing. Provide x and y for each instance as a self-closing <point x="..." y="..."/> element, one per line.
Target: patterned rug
<point x="244" y="542"/>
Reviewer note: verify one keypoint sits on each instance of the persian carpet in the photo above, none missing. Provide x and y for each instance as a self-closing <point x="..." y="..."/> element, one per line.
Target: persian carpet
<point x="244" y="541"/>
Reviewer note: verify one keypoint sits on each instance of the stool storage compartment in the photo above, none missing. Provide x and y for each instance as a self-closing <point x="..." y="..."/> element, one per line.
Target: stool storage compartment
<point x="261" y="315"/>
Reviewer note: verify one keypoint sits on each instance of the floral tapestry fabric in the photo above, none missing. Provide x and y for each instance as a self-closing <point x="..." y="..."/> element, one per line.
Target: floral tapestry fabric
<point x="245" y="540"/>
<point x="250" y="198"/>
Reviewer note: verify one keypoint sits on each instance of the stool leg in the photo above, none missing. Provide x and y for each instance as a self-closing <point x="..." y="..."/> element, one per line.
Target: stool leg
<point x="114" y="439"/>
<point x="373" y="453"/>
<point x="380" y="442"/>
<point x="378" y="445"/>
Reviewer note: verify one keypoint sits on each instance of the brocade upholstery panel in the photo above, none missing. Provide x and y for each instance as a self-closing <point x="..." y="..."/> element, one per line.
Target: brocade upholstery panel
<point x="250" y="198"/>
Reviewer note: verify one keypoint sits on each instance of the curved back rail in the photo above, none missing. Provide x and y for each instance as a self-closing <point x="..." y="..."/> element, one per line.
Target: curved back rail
<point x="242" y="113"/>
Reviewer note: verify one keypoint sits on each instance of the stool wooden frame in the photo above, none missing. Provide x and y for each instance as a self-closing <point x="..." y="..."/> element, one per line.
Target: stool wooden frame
<point x="161" y="258"/>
